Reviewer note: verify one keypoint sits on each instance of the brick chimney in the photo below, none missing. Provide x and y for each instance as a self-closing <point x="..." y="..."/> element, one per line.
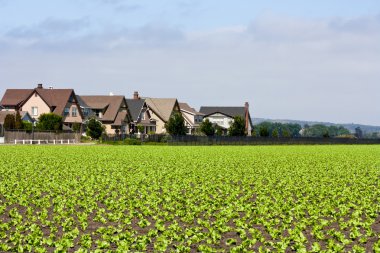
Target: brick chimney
<point x="39" y="86"/>
<point x="246" y="111"/>
<point x="136" y="95"/>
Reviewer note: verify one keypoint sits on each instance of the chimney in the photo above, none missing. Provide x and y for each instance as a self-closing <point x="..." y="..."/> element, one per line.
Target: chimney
<point x="136" y="95"/>
<point x="39" y="86"/>
<point x="246" y="109"/>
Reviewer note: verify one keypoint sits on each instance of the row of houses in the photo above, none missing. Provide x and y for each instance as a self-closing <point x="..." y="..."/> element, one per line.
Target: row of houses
<point x="119" y="115"/>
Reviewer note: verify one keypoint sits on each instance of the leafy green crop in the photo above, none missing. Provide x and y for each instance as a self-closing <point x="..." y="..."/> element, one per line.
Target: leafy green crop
<point x="186" y="199"/>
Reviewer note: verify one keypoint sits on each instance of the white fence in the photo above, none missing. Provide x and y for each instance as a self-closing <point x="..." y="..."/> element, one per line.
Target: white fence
<point x="39" y="142"/>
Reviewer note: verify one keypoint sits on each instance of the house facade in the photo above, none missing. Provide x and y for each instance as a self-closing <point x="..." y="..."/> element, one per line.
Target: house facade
<point x="192" y="118"/>
<point x="140" y="116"/>
<point x="160" y="110"/>
<point x="224" y="116"/>
<point x="38" y="101"/>
<point x="112" y="111"/>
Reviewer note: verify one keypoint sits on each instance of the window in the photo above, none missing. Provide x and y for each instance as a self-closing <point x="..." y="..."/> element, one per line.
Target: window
<point x="142" y="116"/>
<point x="74" y="112"/>
<point x="66" y="112"/>
<point x="34" y="110"/>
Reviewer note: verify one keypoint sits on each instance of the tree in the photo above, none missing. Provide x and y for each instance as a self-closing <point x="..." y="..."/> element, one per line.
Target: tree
<point x="50" y="122"/>
<point x="77" y="127"/>
<point x="286" y="133"/>
<point x="94" y="128"/>
<point x="27" y="126"/>
<point x="18" y="121"/>
<point x="218" y="130"/>
<point x="264" y="131"/>
<point x="275" y="133"/>
<point x="140" y="128"/>
<point x="9" y="122"/>
<point x="207" y="128"/>
<point x="237" y="127"/>
<point x="176" y="125"/>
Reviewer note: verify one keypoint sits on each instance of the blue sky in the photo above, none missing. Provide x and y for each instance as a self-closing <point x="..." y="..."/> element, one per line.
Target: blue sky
<point x="312" y="60"/>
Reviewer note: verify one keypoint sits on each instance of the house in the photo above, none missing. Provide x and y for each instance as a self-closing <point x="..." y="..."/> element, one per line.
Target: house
<point x="112" y="111"/>
<point x="223" y="116"/>
<point x="24" y="117"/>
<point x="193" y="119"/>
<point x="140" y="115"/>
<point x="160" y="110"/>
<point x="38" y="101"/>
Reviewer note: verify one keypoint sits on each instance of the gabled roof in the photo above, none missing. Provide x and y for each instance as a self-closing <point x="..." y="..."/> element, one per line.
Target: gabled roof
<point x="14" y="97"/>
<point x="120" y="118"/>
<point x="230" y="111"/>
<point x="187" y="108"/>
<point x="163" y="107"/>
<point x="56" y="99"/>
<point x="110" y="103"/>
<point x="135" y="106"/>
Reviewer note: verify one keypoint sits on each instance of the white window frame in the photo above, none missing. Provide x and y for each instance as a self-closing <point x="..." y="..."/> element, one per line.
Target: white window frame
<point x="74" y="112"/>
<point x="34" y="111"/>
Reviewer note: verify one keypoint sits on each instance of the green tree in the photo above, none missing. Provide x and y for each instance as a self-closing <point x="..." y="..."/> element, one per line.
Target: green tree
<point x="275" y="133"/>
<point x="140" y="128"/>
<point x="176" y="125"/>
<point x="49" y="122"/>
<point x="9" y="122"/>
<point x="237" y="127"/>
<point x="207" y="128"/>
<point x="218" y="130"/>
<point x="264" y="131"/>
<point x="18" y="121"/>
<point x="77" y="127"/>
<point x="94" y="128"/>
<point x="286" y="133"/>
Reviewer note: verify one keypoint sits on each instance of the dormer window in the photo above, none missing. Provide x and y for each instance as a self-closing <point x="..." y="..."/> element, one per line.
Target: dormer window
<point x="67" y="111"/>
<point x="74" y="112"/>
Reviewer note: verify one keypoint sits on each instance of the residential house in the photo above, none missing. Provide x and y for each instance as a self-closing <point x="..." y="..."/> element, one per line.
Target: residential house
<point x="193" y="119"/>
<point x="112" y="111"/>
<point x="160" y="110"/>
<point x="38" y="101"/>
<point x="140" y="115"/>
<point x="223" y="116"/>
<point x="24" y="117"/>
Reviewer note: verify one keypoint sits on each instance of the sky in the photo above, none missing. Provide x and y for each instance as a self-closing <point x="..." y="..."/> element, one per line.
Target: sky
<point x="294" y="59"/>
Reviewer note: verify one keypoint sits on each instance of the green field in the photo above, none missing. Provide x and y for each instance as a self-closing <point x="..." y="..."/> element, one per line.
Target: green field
<point x="188" y="199"/>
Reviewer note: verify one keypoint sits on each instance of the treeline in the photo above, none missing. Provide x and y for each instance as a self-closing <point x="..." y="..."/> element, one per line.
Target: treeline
<point x="269" y="129"/>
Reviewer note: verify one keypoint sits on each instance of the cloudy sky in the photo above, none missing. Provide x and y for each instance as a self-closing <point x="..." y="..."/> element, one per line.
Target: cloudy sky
<point x="294" y="59"/>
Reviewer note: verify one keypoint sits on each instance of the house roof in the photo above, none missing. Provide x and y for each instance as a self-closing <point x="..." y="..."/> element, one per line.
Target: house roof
<point x="163" y="107"/>
<point x="187" y="108"/>
<point x="120" y="118"/>
<point x="135" y="106"/>
<point x="14" y="97"/>
<point x="111" y="103"/>
<point x="231" y="111"/>
<point x="56" y="99"/>
<point x="3" y="114"/>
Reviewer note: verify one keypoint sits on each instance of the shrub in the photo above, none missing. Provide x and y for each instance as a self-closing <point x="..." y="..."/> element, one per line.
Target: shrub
<point x="50" y="122"/>
<point x="237" y="127"/>
<point x="95" y="128"/>
<point x="207" y="128"/>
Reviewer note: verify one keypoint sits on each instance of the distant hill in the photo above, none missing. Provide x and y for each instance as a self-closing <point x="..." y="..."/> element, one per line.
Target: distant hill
<point x="350" y="127"/>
